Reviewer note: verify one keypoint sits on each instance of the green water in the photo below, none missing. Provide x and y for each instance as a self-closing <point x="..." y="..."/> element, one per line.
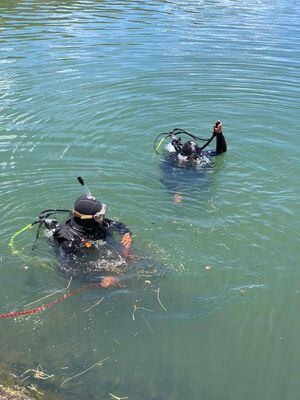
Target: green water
<point x="85" y="86"/>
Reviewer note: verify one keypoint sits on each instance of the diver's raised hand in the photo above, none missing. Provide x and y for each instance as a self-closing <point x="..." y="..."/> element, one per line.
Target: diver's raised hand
<point x="126" y="240"/>
<point x="218" y="127"/>
<point x="109" y="281"/>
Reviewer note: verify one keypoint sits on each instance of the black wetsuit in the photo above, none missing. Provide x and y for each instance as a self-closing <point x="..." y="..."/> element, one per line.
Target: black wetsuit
<point x="72" y="236"/>
<point x="180" y="172"/>
<point x="221" y="146"/>
<point x="87" y="249"/>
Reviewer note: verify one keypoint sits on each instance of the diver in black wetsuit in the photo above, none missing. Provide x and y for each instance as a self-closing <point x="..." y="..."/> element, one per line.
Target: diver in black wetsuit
<point x="191" y="152"/>
<point x="85" y="225"/>
<point x="80" y="235"/>
<point x="184" y="163"/>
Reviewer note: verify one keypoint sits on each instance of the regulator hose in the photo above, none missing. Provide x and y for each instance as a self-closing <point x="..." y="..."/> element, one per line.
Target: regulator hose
<point x="172" y="134"/>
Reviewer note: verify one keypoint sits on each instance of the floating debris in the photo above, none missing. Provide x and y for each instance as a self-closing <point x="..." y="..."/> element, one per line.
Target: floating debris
<point x="149" y="327"/>
<point x="94" y="305"/>
<point x="157" y="291"/>
<point x="98" y="363"/>
<point x="49" y="295"/>
<point x="117" y="397"/>
<point x="38" y="373"/>
<point x="135" y="307"/>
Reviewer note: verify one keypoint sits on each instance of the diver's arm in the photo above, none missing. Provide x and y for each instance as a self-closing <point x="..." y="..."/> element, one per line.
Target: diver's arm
<point x="206" y="144"/>
<point x="221" y="145"/>
<point x="64" y="235"/>
<point x="117" y="226"/>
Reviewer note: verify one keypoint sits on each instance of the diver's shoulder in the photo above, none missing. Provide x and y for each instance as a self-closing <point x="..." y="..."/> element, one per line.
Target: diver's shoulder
<point x="65" y="230"/>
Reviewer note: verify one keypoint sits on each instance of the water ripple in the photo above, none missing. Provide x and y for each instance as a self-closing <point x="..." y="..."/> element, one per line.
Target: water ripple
<point x="85" y="86"/>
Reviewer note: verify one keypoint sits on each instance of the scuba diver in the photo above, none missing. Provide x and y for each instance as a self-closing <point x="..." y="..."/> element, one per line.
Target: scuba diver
<point x="82" y="238"/>
<point x="184" y="164"/>
<point x="190" y="152"/>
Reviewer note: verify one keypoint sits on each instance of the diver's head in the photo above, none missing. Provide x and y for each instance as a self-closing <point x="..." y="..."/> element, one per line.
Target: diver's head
<point x="88" y="210"/>
<point x="188" y="149"/>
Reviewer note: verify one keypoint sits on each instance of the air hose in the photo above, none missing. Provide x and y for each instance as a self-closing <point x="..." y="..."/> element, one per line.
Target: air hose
<point x="42" y="217"/>
<point x="173" y="134"/>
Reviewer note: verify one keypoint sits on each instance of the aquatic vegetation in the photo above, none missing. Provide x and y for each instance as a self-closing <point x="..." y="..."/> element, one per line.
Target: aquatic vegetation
<point x="15" y="393"/>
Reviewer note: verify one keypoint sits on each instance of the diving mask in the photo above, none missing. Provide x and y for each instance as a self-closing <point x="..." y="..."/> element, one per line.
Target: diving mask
<point x="98" y="217"/>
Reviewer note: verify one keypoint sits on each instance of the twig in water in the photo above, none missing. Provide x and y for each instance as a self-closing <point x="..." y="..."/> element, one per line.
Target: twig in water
<point x="158" y="299"/>
<point x="139" y="308"/>
<point x="149" y="327"/>
<point x="51" y="294"/>
<point x="38" y="373"/>
<point x="211" y="203"/>
<point x="94" y="305"/>
<point x="134" y="310"/>
<point x="34" y="389"/>
<point x="224" y="245"/>
<point x="116" y="397"/>
<point x="73" y="315"/>
<point x="84" y="371"/>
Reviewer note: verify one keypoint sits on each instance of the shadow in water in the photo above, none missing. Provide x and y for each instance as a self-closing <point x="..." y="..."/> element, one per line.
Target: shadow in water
<point x="186" y="179"/>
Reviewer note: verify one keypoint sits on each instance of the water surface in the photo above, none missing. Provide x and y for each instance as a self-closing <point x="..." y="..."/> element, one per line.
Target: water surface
<point x="85" y="87"/>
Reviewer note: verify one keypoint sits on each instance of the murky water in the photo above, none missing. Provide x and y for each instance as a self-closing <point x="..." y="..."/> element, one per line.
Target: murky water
<point x="85" y="87"/>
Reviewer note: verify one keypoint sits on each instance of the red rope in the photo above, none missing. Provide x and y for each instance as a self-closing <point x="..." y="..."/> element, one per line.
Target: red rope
<point x="50" y="304"/>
